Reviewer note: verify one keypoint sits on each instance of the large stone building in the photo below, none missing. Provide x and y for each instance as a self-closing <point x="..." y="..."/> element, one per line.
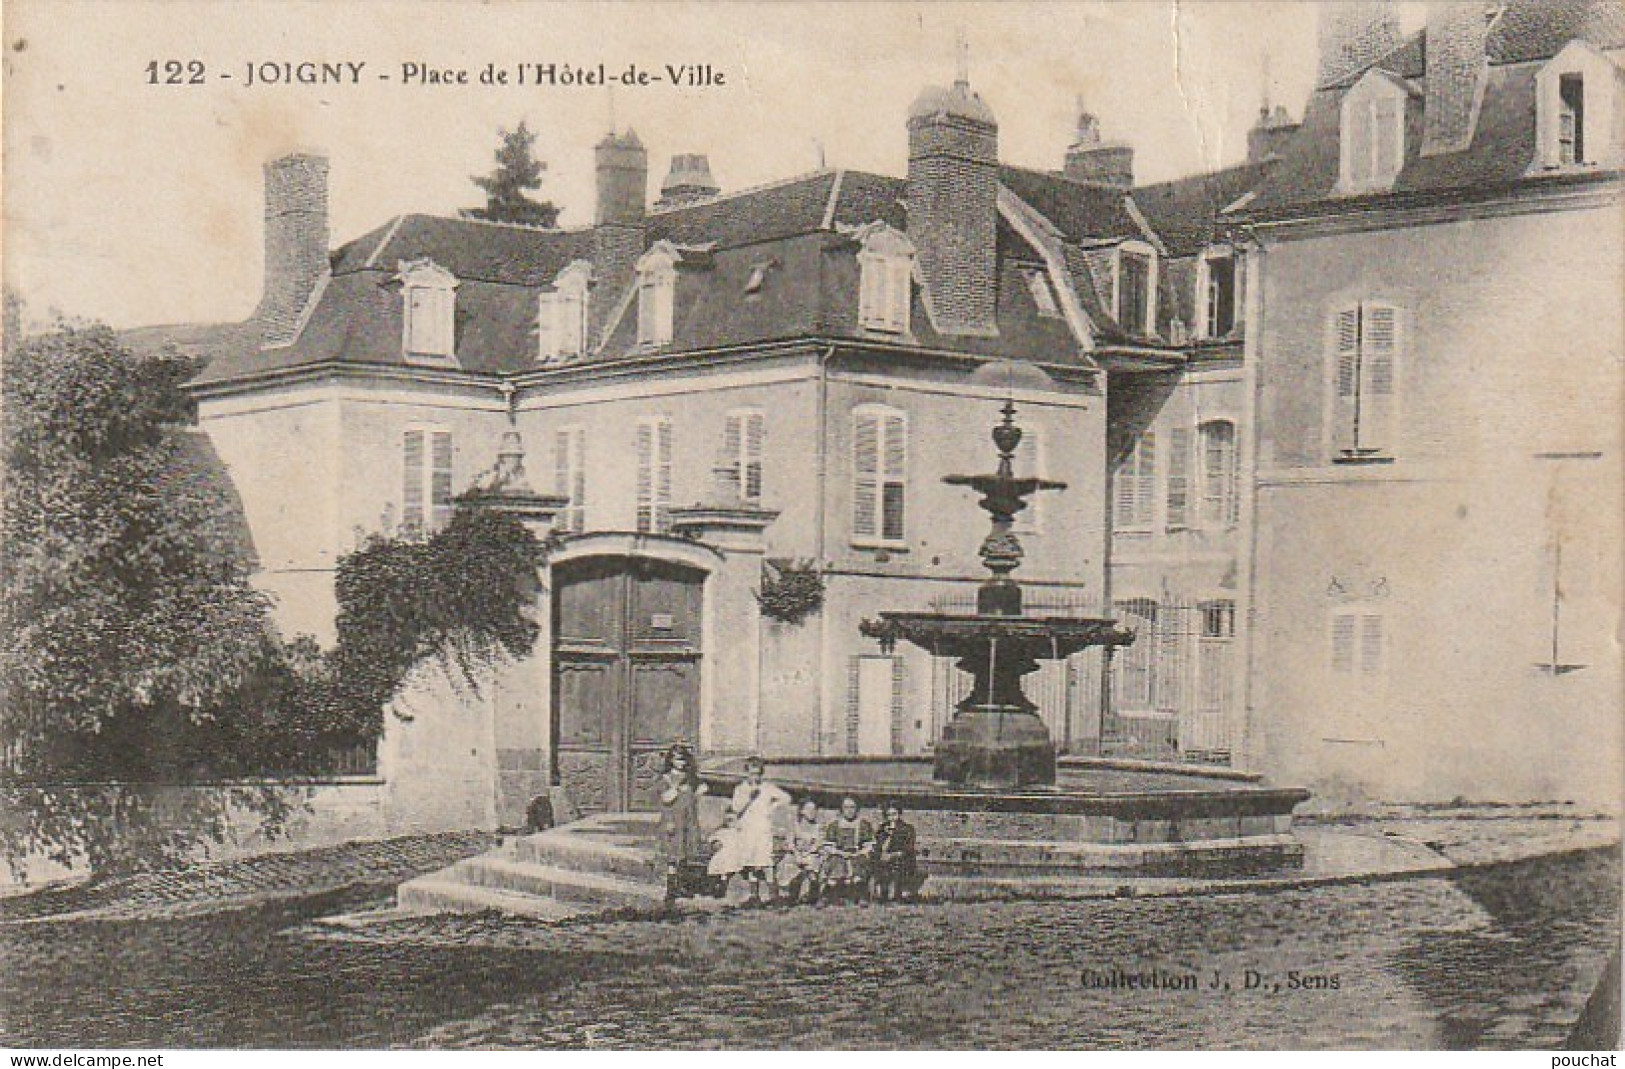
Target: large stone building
<point x="718" y="389"/>
<point x="1339" y="425"/>
<point x="1434" y="352"/>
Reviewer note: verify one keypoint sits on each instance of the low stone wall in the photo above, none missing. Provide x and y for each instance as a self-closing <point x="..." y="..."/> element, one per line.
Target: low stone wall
<point x="300" y="816"/>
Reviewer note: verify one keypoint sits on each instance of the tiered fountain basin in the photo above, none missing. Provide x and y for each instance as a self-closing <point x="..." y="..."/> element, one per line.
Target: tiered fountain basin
<point x="1100" y="818"/>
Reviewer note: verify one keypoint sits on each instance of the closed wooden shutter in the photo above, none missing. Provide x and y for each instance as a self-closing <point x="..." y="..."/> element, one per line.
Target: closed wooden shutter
<point x="412" y="514"/>
<point x="570" y="476"/>
<point x="654" y="475"/>
<point x="440" y="479"/>
<point x="866" y="475"/>
<point x="1346" y="390"/>
<point x="1179" y="483"/>
<point x="894" y="457"/>
<point x="1379" y="331"/>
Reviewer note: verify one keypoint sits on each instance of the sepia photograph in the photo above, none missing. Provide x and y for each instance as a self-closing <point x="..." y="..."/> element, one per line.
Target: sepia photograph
<point x="930" y="526"/>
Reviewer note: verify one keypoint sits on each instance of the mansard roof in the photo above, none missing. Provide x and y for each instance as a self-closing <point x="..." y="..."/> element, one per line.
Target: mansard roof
<point x="1503" y="145"/>
<point x="789" y="236"/>
<point x="1185" y="211"/>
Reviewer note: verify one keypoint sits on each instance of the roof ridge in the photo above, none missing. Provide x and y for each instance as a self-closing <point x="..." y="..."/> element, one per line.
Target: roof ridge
<point x="502" y="224"/>
<point x="747" y="190"/>
<point x="389" y="235"/>
<point x="1060" y="176"/>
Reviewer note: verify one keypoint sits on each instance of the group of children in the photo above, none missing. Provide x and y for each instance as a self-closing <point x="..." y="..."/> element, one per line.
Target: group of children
<point x="846" y="859"/>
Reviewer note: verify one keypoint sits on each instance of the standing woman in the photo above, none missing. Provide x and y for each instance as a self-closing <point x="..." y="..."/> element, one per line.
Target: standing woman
<point x="680" y="834"/>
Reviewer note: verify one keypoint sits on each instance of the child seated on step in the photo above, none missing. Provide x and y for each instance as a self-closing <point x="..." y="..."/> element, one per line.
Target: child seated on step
<point x="848" y="841"/>
<point x="726" y="857"/>
<point x="799" y="868"/>
<point x="896" y="873"/>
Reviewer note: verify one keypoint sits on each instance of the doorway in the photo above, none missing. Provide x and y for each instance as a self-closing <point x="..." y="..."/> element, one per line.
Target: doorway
<point x="626" y="675"/>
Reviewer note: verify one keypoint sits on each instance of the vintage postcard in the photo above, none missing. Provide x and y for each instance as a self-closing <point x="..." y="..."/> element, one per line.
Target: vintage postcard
<point x="782" y="526"/>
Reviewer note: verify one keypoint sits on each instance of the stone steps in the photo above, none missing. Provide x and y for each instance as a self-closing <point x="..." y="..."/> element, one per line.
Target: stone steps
<point x="583" y="854"/>
<point x="432" y="894"/>
<point x="597" y="865"/>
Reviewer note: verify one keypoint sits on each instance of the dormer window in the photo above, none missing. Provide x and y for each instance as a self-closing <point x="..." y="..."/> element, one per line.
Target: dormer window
<point x="1218" y="291"/>
<point x="428" y="312"/>
<point x="885" y="291"/>
<point x="1578" y="94"/>
<point x="1135" y="287"/>
<point x="561" y="321"/>
<point x="1373" y="133"/>
<point x="657" y="292"/>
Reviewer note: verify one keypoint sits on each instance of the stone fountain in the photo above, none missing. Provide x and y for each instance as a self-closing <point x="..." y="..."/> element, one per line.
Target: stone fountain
<point x="996" y="739"/>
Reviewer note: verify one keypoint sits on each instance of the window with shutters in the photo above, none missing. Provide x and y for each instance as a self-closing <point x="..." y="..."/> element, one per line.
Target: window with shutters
<point x="741" y="465"/>
<point x="561" y="321"/>
<point x="426" y="480"/>
<point x="1365" y="372"/>
<point x="879" y="475"/>
<point x="1579" y="107"/>
<point x="1178" y="498"/>
<point x="1135" y="485"/>
<point x="885" y="284"/>
<point x="570" y="477"/>
<point x="657" y="294"/>
<point x="1135" y="286"/>
<point x="1373" y="134"/>
<point x="1219" y="496"/>
<point x="428" y="312"/>
<point x="1134" y="664"/>
<point x="654" y="474"/>
<point x="1358" y="643"/>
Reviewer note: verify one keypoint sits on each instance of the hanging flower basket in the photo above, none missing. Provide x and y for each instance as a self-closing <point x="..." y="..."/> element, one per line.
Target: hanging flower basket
<point x="791" y="591"/>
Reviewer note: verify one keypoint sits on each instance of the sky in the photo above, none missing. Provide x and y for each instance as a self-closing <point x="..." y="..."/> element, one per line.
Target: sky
<point x="138" y="203"/>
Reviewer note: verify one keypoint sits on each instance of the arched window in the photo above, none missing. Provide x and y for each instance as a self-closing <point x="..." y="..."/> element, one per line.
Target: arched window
<point x="885" y="290"/>
<point x="561" y="321"/>
<point x="657" y="294"/>
<point x="428" y="311"/>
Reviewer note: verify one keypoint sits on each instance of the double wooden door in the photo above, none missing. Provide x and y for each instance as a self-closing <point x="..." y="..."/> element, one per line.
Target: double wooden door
<point x="626" y="675"/>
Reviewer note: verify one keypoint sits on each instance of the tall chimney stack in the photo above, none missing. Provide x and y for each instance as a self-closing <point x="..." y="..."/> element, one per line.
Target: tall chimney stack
<point x="622" y="170"/>
<point x="1090" y="159"/>
<point x="295" y="242"/>
<point x="1457" y="71"/>
<point x="1270" y="134"/>
<point x="688" y="182"/>
<point x="1354" y="34"/>
<point x="952" y="192"/>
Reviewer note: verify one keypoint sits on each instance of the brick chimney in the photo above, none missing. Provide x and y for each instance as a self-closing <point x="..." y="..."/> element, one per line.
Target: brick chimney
<point x="1354" y="34"/>
<point x="688" y="181"/>
<point x="1270" y="134"/>
<point x="295" y="242"/>
<point x="952" y="193"/>
<point x="1090" y="159"/>
<point x="1456" y="73"/>
<point x="617" y="236"/>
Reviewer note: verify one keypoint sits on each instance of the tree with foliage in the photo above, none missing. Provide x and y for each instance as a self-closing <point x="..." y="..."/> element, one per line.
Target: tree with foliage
<point x="127" y="622"/>
<point x="134" y="653"/>
<point x="517" y="171"/>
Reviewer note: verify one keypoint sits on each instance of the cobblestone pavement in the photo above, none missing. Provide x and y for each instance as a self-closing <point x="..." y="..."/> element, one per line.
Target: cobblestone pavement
<point x="211" y="886"/>
<point x="1501" y="956"/>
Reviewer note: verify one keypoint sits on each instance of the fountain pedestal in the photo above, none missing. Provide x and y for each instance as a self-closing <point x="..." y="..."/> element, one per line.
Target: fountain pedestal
<point x="995" y="739"/>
